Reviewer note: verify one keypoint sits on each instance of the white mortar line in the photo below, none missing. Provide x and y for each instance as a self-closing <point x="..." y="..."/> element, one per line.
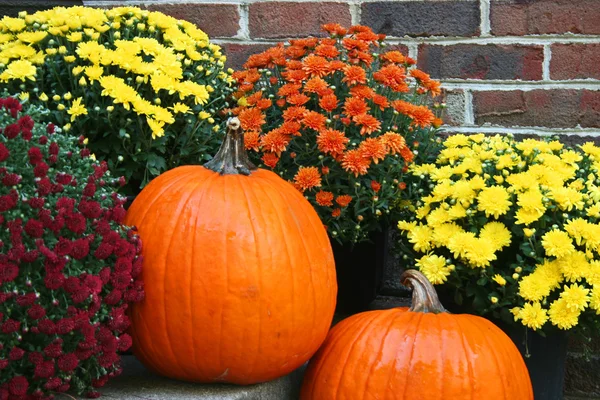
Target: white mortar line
<point x="244" y="31"/>
<point x="541" y="131"/>
<point x="469" y="112"/>
<point x="520" y="85"/>
<point x="546" y="63"/>
<point x="484" y="12"/>
<point x="413" y="50"/>
<point x="355" y="11"/>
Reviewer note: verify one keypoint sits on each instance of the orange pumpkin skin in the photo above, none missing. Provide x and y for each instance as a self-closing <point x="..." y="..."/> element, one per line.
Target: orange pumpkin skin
<point x="239" y="277"/>
<point x="403" y="355"/>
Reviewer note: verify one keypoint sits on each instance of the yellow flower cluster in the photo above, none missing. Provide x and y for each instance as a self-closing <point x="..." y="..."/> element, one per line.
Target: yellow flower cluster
<point x="509" y="214"/>
<point x="122" y="51"/>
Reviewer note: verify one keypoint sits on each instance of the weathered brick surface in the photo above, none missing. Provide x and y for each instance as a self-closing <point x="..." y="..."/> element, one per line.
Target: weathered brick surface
<point x="454" y="113"/>
<point x="527" y="17"/>
<point x="238" y="53"/>
<point x="575" y="61"/>
<point x="283" y="19"/>
<point x="561" y="108"/>
<point x="582" y="375"/>
<point x="217" y="20"/>
<point x="482" y="62"/>
<point x="13" y="7"/>
<point x="423" y="18"/>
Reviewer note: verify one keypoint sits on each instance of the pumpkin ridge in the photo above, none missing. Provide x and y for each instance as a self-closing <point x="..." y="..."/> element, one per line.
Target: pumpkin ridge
<point x="302" y="236"/>
<point x="146" y="207"/>
<point x="166" y="253"/>
<point x="412" y="350"/>
<point x="226" y="270"/>
<point x="381" y="346"/>
<point x="494" y="356"/>
<point x="192" y="270"/>
<point x="287" y="252"/>
<point x="441" y="355"/>
<point x="343" y="329"/>
<point x="514" y="367"/>
<point x="467" y="356"/>
<point x="135" y="337"/>
<point x="404" y="333"/>
<point x="338" y="386"/>
<point x="257" y="252"/>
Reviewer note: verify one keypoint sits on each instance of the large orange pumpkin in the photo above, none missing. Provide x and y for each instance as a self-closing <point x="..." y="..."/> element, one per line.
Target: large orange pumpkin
<point x="417" y="353"/>
<point x="238" y="271"/>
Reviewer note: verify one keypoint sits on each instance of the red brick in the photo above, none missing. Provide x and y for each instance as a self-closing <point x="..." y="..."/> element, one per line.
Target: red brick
<point x="217" y="20"/>
<point x="422" y="18"/>
<point x="575" y="61"/>
<point x="557" y="108"/>
<point x="283" y="19"/>
<point x="470" y="61"/>
<point x="238" y="53"/>
<point x="519" y="17"/>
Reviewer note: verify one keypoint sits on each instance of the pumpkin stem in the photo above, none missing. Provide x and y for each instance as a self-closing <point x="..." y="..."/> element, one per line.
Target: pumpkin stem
<point x="424" y="296"/>
<point x="232" y="159"/>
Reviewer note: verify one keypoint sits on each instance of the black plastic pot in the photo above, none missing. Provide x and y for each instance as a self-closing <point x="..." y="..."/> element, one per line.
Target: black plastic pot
<point x="359" y="271"/>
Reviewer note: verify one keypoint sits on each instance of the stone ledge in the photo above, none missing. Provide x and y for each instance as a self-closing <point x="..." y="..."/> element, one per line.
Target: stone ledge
<point x="137" y="383"/>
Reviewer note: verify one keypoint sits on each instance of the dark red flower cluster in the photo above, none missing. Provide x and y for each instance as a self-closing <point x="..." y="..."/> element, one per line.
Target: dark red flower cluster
<point x="68" y="268"/>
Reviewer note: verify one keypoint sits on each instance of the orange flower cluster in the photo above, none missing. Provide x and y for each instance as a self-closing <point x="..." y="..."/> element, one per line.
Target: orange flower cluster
<point x="330" y="112"/>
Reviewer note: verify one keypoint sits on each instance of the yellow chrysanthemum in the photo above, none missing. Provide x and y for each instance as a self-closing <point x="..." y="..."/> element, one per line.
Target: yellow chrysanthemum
<point x="494" y="201"/>
<point x="444" y="232"/>
<point x="562" y="316"/>
<point x="557" y="243"/>
<point x="574" y="266"/>
<point x="595" y="299"/>
<point x="434" y="268"/>
<point x="538" y="285"/>
<point x="499" y="279"/>
<point x="420" y="236"/>
<point x="532" y="315"/>
<point x="77" y="109"/>
<point x="576" y="297"/>
<point x="495" y="233"/>
<point x="20" y="69"/>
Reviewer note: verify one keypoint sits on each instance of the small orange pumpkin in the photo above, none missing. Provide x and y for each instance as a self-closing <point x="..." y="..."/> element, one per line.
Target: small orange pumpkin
<point x="419" y="353"/>
<point x="238" y="270"/>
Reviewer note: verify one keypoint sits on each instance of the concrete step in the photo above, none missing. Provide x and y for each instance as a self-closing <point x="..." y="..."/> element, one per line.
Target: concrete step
<point x="138" y="383"/>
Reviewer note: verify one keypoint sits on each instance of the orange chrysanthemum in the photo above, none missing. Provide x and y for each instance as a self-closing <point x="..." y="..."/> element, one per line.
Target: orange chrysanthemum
<point x="362" y="92"/>
<point x="309" y="42"/>
<point x="295" y="52"/>
<point x="329" y="102"/>
<point x="288" y="89"/>
<point x="325" y="170"/>
<point x="331" y="141"/>
<point x="368" y="123"/>
<point x="294" y="64"/>
<point x="381" y="101"/>
<point x="335" y="29"/>
<point x="294" y="114"/>
<point x="354" y="106"/>
<point x="324" y="198"/>
<point x="343" y="200"/>
<point x="419" y="75"/>
<point x="327" y="50"/>
<point x="376" y="186"/>
<point x="353" y="161"/>
<point x="336" y="65"/>
<point x="307" y="178"/>
<point x="315" y="65"/>
<point x="336" y="213"/>
<point x="422" y="116"/>
<point x="291" y="128"/>
<point x="355" y="44"/>
<point x="270" y="159"/>
<point x="373" y="149"/>
<point x="317" y="85"/>
<point x="252" y="119"/>
<point x="407" y="155"/>
<point x="393" y="77"/>
<point x="275" y="142"/>
<point x="393" y="56"/>
<point x="357" y="57"/>
<point x="314" y="120"/>
<point x="263" y="104"/>
<point x="353" y="75"/>
<point x="298" y="99"/>
<point x="393" y="142"/>
<point x="257" y="61"/>
<point x="294" y="75"/>
<point x="403" y="107"/>
<point x="251" y="140"/>
<point x="253" y="98"/>
<point x="433" y="87"/>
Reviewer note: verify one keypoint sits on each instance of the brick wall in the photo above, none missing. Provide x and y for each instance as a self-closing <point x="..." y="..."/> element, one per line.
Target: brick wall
<point x="524" y="66"/>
